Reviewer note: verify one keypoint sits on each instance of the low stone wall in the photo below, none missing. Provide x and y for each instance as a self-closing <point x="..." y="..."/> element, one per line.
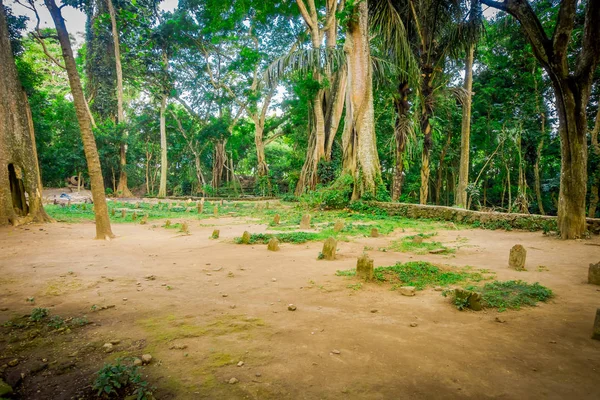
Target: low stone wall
<point x="490" y="220"/>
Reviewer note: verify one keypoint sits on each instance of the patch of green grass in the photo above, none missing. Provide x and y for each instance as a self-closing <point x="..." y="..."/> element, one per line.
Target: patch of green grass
<point x="120" y="380"/>
<point x="421" y="274"/>
<point x="419" y="245"/>
<point x="355" y="286"/>
<point x="511" y="294"/>
<point x="292" y="237"/>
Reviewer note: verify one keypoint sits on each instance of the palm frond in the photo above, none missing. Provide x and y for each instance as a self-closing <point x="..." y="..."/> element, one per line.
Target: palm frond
<point x="304" y="61"/>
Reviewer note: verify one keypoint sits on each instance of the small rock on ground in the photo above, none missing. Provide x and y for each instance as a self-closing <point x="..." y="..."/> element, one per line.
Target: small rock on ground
<point x="291" y="307"/>
<point x="233" y="381"/>
<point x="336" y="351"/>
<point x="146" y="358"/>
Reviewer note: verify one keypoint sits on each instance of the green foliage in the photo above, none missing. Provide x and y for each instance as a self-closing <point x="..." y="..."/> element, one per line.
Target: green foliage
<point x="292" y="237"/>
<point x="408" y="244"/>
<point x="512" y="294"/>
<point x="421" y="274"/>
<point x="38" y="314"/>
<point x="117" y="380"/>
<point x="335" y="196"/>
<point x="56" y="322"/>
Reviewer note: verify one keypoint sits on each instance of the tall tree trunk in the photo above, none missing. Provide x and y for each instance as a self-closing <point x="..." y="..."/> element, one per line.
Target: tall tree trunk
<point x="438" y="186"/>
<point x="122" y="188"/>
<point x="219" y="161"/>
<point x="103" y="229"/>
<point x="596" y="178"/>
<point x="426" y="130"/>
<point x="19" y="170"/>
<point x="536" y="175"/>
<point x="162" y="190"/>
<point x="400" y="137"/>
<point x="572" y="127"/>
<point x="360" y="146"/>
<point x="262" y="167"/>
<point x="463" y="175"/>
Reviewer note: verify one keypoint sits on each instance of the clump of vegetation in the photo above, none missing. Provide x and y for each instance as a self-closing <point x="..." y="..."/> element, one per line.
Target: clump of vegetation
<point x="510" y="294"/>
<point x="335" y="196"/>
<point x="291" y="237"/>
<point x="56" y="322"/>
<point x="421" y="274"/>
<point x="120" y="380"/>
<point x="417" y="244"/>
<point x="39" y="314"/>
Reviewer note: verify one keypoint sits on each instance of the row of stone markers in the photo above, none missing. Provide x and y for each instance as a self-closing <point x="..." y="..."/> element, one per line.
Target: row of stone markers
<point x="516" y="260"/>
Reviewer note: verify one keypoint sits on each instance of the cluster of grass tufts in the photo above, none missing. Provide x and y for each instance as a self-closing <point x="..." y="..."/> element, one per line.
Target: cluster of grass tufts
<point x="120" y="381"/>
<point x="421" y="274"/>
<point x="511" y="294"/>
<point x="291" y="237"/>
<point x="408" y="245"/>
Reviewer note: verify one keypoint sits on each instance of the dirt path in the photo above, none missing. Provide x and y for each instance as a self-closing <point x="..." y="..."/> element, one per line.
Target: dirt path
<point x="228" y="303"/>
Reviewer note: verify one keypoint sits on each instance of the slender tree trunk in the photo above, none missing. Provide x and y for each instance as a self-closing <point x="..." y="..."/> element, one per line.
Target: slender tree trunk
<point x="103" y="229"/>
<point x="463" y="175"/>
<point x="536" y="175"/>
<point x="122" y="188"/>
<point x="162" y="190"/>
<point x="594" y="198"/>
<point x="400" y="138"/>
<point x="19" y="170"/>
<point x="426" y="129"/>
<point x="438" y="186"/>
<point x="360" y="146"/>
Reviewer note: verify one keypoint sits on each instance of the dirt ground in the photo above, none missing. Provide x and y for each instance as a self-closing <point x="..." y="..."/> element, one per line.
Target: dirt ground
<point x="228" y="303"/>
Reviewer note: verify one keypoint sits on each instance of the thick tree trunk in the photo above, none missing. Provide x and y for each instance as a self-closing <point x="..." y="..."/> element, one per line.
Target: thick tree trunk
<point x="20" y="182"/>
<point x="572" y="127"/>
<point x="360" y="146"/>
<point x="103" y="229"/>
<point x="162" y="190"/>
<point x="400" y="137"/>
<point x="219" y="161"/>
<point x="463" y="175"/>
<point x="122" y="188"/>
<point x="261" y="165"/>
<point x="426" y="130"/>
<point x="596" y="178"/>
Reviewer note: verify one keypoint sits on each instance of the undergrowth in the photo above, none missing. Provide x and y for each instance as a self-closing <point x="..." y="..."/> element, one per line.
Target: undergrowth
<point x="409" y="244"/>
<point x="422" y="274"/>
<point x="511" y="294"/>
<point x="120" y="380"/>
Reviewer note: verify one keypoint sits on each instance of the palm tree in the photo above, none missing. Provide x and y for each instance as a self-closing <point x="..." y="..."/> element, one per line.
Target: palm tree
<point x="419" y="36"/>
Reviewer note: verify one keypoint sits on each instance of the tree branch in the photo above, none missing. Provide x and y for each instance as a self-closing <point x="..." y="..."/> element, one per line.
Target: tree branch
<point x="590" y="53"/>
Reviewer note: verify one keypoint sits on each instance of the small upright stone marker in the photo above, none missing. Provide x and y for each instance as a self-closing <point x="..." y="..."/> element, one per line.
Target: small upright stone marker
<point x="374" y="232"/>
<point x="167" y="223"/>
<point x="339" y="225"/>
<point x="364" y="267"/>
<point x="200" y="207"/>
<point x="329" y="248"/>
<point x="216" y="211"/>
<point x="134" y="216"/>
<point x="276" y="219"/>
<point x="112" y="212"/>
<point x="123" y="213"/>
<point x="273" y="244"/>
<point x="170" y="206"/>
<point x="215" y="234"/>
<point x="305" y="222"/>
<point x="516" y="260"/>
<point x="594" y="274"/>
<point x="184" y="228"/>
<point x="417" y="239"/>
<point x="144" y="220"/>
<point x="246" y="237"/>
<point x="596" y="331"/>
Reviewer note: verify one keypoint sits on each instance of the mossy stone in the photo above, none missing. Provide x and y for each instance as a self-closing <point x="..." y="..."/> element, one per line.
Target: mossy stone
<point x="329" y="248"/>
<point x="246" y="237"/>
<point x="273" y="244"/>
<point x="364" y="267"/>
<point x="305" y="222"/>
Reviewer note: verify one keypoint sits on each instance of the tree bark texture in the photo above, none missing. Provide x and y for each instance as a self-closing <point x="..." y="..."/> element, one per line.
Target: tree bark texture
<point x="463" y="175"/>
<point x="20" y="182"/>
<point x="103" y="228"/>
<point x="162" y="190"/>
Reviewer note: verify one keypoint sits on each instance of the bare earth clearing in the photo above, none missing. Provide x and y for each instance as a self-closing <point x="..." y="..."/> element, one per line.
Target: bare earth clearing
<point x="228" y="303"/>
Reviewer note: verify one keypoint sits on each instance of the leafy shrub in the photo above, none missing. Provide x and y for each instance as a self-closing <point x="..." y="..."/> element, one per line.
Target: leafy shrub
<point x="56" y="322"/>
<point x="118" y="380"/>
<point x="513" y="294"/>
<point x="39" y="314"/>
